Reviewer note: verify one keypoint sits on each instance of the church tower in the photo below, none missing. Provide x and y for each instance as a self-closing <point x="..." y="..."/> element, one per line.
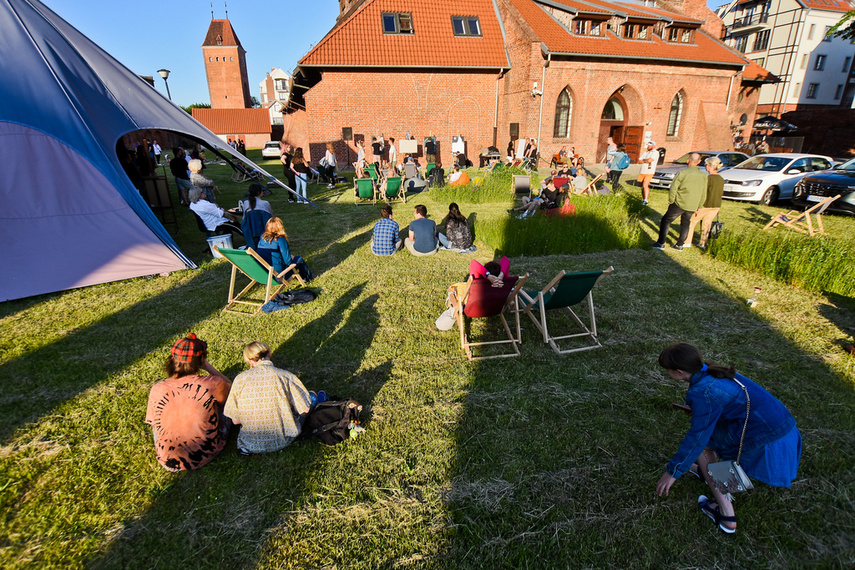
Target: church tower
<point x="225" y="67"/>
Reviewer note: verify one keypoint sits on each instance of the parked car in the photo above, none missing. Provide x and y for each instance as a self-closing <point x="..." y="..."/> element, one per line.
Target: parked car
<point x="767" y="178"/>
<point x="665" y="174"/>
<point x="817" y="187"/>
<point x="270" y="150"/>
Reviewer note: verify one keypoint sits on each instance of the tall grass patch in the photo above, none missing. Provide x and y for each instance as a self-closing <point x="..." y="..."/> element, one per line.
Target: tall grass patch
<point x="496" y="187"/>
<point x="812" y="263"/>
<point x="601" y="223"/>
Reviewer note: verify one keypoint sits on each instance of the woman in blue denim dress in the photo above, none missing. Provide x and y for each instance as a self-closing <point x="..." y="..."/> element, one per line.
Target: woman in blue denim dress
<point x="716" y="402"/>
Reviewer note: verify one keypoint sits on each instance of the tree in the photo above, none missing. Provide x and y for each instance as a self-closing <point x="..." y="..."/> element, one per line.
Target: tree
<point x="254" y="102"/>
<point x="189" y="108"/>
<point x="845" y="28"/>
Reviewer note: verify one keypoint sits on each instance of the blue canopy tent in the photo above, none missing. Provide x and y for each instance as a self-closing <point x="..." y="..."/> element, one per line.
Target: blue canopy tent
<point x="70" y="215"/>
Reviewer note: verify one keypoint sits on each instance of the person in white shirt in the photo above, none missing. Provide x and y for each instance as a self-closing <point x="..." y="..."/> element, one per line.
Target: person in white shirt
<point x="214" y="218"/>
<point x="393" y="153"/>
<point x="647" y="160"/>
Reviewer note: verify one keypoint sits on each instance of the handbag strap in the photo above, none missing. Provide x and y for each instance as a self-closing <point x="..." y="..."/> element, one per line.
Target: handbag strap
<point x="745" y="425"/>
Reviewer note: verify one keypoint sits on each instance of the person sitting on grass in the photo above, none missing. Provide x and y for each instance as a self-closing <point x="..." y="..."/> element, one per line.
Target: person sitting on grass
<point x="200" y="181"/>
<point x="423" y="238"/>
<point x="718" y="401"/>
<point x="457" y="230"/>
<point x="547" y="199"/>
<point x="213" y="217"/>
<point x="386" y="238"/>
<point x="189" y="430"/>
<point x="458" y="177"/>
<point x="270" y="404"/>
<point x="273" y="247"/>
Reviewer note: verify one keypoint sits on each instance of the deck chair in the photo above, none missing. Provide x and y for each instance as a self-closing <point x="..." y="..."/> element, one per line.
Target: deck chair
<point x="371" y="169"/>
<point x="253" y="225"/>
<point x="430" y="166"/>
<point x="394" y="189"/>
<point x="259" y="272"/>
<point x="591" y="188"/>
<point x="521" y="184"/>
<point x="314" y="176"/>
<point x="410" y="170"/>
<point x="801" y="221"/>
<point x="479" y="299"/>
<point x="563" y="292"/>
<point x="365" y="190"/>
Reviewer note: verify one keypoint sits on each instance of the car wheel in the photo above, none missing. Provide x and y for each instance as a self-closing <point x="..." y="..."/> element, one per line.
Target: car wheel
<point x="770" y="196"/>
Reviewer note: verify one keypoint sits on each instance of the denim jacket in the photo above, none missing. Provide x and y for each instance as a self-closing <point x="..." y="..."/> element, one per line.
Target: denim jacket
<point x="718" y="413"/>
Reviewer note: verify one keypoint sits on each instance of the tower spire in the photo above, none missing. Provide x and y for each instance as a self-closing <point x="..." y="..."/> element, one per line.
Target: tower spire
<point x="226" y="4"/>
<point x="212" y="10"/>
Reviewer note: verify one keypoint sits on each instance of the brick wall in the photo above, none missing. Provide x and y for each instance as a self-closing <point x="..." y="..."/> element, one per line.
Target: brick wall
<point x="393" y="103"/>
<point x="228" y="86"/>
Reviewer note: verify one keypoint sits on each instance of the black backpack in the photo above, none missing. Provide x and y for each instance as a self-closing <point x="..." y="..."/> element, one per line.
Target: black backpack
<point x="331" y="420"/>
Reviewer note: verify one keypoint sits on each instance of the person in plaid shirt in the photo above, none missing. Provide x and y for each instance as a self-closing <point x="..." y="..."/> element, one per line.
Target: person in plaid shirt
<point x="386" y="239"/>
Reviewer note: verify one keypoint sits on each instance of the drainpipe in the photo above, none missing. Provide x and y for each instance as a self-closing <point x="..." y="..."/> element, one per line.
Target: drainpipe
<point x="542" y="91"/>
<point x="729" y="91"/>
<point x="496" y="110"/>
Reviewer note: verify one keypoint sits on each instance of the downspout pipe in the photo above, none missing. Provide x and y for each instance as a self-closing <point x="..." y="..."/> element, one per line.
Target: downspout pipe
<point x="542" y="91"/>
<point x="496" y="110"/>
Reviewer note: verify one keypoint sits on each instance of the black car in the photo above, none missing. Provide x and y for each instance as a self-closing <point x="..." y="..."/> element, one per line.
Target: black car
<point x="816" y="187"/>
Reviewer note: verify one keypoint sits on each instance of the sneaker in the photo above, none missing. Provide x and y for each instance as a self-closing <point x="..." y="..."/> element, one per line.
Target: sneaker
<point x="658" y="245"/>
<point x="330" y="185"/>
<point x="702" y="247"/>
<point x="644" y="202"/>
<point x="677" y="247"/>
<point x="687" y="245"/>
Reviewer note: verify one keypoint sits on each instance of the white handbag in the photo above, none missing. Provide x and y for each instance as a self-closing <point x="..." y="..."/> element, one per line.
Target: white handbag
<point x="728" y="476"/>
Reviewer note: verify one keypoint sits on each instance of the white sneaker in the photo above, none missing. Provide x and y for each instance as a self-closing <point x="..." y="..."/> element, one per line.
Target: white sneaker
<point x="687" y="245"/>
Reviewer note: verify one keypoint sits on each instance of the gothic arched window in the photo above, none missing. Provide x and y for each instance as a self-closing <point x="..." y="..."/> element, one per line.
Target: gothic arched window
<point x="563" y="114"/>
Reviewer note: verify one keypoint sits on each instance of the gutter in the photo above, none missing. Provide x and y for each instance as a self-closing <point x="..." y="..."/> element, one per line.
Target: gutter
<point x="542" y="91"/>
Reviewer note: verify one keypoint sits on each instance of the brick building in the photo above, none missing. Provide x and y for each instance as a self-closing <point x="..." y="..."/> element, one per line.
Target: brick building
<point x="225" y="67"/>
<point x="567" y="72"/>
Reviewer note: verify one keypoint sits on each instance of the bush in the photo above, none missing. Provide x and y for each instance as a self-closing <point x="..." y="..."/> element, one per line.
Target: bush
<point x="601" y="223"/>
<point x="812" y="263"/>
<point x="495" y="188"/>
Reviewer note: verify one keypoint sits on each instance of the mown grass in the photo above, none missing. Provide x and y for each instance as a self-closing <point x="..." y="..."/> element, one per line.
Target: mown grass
<point x="496" y="187"/>
<point x="532" y="462"/>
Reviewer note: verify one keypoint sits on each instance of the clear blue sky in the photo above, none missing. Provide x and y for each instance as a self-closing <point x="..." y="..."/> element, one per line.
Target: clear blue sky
<point x="147" y="35"/>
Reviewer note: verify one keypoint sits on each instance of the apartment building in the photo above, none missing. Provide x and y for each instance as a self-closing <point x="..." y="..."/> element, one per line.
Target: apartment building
<point x="789" y="39"/>
<point x="275" y="91"/>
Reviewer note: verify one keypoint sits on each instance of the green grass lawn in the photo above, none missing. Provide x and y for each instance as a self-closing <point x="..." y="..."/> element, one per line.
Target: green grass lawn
<point x="541" y="461"/>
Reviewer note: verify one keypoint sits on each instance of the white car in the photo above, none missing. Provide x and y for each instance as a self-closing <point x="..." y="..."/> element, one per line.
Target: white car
<point x="270" y="150"/>
<point x="767" y="178"/>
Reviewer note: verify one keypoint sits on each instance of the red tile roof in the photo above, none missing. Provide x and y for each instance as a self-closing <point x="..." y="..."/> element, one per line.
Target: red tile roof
<point x="665" y="15"/>
<point x="358" y="39"/>
<point x="583" y="7"/>
<point x="830" y="5"/>
<point x="558" y="40"/>
<point x="234" y="121"/>
<point x="754" y="72"/>
<point x="223" y="30"/>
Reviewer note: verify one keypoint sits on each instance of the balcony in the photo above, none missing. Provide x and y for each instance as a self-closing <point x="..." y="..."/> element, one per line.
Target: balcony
<point x="748" y="21"/>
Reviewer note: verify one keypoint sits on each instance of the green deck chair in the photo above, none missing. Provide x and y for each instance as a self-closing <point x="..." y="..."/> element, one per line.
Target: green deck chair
<point x="371" y="169"/>
<point x="430" y="166"/>
<point x="394" y="189"/>
<point x="563" y="292"/>
<point x="365" y="191"/>
<point x="259" y="272"/>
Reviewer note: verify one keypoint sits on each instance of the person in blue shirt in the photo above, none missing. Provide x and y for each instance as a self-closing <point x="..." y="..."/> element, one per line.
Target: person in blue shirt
<point x="716" y="402"/>
<point x="273" y="247"/>
<point x="385" y="239"/>
<point x="423" y="238"/>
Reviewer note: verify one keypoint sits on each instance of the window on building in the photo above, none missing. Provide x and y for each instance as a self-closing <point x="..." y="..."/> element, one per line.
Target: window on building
<point x="681" y="35"/>
<point x="838" y="92"/>
<point x="397" y="23"/>
<point x="674" y="115"/>
<point x="231" y="59"/>
<point x="563" y="114"/>
<point x="741" y="44"/>
<point x="466" y="25"/>
<point x="282" y="96"/>
<point x="812" y="89"/>
<point x="635" y="31"/>
<point x="596" y="29"/>
<point x="613" y="111"/>
<point x="210" y="58"/>
<point x="827" y="36"/>
<point x="811" y="31"/>
<point x="797" y="89"/>
<point x="761" y="40"/>
<point x="281" y="85"/>
<point x="804" y="61"/>
<point x="514" y="129"/>
<point x="686" y="36"/>
<point x="761" y="61"/>
<point x="580" y="27"/>
<point x="846" y="64"/>
<point x="819" y="64"/>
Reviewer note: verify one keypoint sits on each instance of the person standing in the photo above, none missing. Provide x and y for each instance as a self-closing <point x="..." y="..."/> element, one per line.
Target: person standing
<point x="732" y="418"/>
<point x="178" y="168"/>
<point x="688" y="191"/>
<point x="648" y="160"/>
<point x="385" y="238"/>
<point x="707" y="213"/>
<point x="285" y="157"/>
<point x="270" y="404"/>
<point x="393" y="154"/>
<point x="185" y="411"/>
<point x="377" y="149"/>
<point x="157" y="150"/>
<point x="329" y="166"/>
<point x="616" y="162"/>
<point x="301" y="176"/>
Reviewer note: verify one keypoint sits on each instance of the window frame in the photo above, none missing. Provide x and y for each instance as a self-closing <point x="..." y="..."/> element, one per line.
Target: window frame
<point x="465" y="23"/>
<point x="761" y="40"/>
<point x="398" y="17"/>
<point x="633" y="31"/>
<point x="673" y="127"/>
<point x="812" y="90"/>
<point x="838" y="93"/>
<point x="819" y="63"/>
<point x="563" y="115"/>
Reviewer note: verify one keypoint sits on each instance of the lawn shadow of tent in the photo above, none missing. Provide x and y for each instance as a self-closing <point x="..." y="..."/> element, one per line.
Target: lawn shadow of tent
<point x="225" y="511"/>
<point x="558" y="456"/>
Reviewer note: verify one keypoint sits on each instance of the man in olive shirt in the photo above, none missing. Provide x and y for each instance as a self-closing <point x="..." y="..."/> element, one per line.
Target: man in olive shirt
<point x="687" y="194"/>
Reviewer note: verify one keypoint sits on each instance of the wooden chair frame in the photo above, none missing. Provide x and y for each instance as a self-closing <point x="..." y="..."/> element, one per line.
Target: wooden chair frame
<point x="399" y="194"/>
<point x="519" y="181"/>
<point x="801" y="221"/>
<point x="273" y="279"/>
<point x="590" y="332"/>
<point x="514" y="341"/>
<point x="591" y="188"/>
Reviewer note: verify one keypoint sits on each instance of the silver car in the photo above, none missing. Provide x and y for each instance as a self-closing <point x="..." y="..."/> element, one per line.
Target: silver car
<point x="665" y="174"/>
<point x="767" y="178"/>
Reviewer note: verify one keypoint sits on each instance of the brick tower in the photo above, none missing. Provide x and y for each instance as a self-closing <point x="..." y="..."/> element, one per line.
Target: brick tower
<point x="225" y="67"/>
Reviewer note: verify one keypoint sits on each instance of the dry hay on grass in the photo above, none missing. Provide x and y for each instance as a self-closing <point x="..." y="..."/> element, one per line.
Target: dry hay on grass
<point x="38" y="448"/>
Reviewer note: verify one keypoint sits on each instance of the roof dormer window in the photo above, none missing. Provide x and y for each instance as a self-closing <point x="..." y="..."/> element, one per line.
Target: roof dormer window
<point x="397" y="23"/>
<point x="680" y="35"/>
<point x="219" y="40"/>
<point x="466" y="25"/>
<point x="587" y="28"/>
<point x="636" y="31"/>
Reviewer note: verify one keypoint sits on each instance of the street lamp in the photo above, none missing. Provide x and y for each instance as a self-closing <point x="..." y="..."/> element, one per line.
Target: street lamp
<point x="164" y="73"/>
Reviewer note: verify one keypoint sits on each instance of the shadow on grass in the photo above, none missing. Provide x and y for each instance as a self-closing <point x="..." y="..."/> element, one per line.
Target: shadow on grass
<point x="85" y="357"/>
<point x="558" y="455"/>
<point x="221" y="515"/>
